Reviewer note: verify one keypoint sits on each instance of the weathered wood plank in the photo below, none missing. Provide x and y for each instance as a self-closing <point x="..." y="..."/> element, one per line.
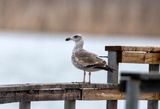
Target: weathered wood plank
<point x="128" y="57"/>
<point x="102" y="94"/>
<point x="152" y="58"/>
<point x="114" y="94"/>
<point x="133" y="48"/>
<point x="40" y="95"/>
<point x="132" y="54"/>
<point x="134" y="57"/>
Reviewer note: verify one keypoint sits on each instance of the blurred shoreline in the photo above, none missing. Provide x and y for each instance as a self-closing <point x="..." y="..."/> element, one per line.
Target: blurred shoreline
<point x="68" y="34"/>
<point x="130" y="17"/>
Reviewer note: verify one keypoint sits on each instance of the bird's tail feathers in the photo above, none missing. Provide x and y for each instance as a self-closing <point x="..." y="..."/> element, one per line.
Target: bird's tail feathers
<point x="106" y="68"/>
<point x="109" y="69"/>
<point x="100" y="67"/>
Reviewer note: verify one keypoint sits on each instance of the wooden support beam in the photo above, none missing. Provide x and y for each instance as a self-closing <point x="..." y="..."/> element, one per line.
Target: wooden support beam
<point x="112" y="76"/>
<point x="70" y="104"/>
<point x="132" y="95"/>
<point x="24" y="105"/>
<point x="153" y="68"/>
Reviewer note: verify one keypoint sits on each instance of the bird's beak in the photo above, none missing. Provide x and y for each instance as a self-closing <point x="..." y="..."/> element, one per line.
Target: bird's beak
<point x="68" y="39"/>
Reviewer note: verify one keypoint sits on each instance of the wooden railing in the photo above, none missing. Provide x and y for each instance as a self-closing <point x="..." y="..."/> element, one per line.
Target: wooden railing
<point x="70" y="92"/>
<point x="78" y="91"/>
<point x="25" y="93"/>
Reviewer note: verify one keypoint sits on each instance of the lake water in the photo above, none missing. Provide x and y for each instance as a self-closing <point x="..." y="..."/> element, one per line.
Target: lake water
<point x="45" y="58"/>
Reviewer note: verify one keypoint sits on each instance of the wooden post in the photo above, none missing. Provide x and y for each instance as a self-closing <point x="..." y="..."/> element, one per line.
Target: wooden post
<point x="153" y="104"/>
<point x="25" y="105"/>
<point x="69" y="104"/>
<point x="132" y="95"/>
<point x="112" y="76"/>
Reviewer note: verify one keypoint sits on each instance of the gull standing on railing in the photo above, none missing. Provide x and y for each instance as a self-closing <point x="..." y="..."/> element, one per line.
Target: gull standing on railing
<point x="84" y="60"/>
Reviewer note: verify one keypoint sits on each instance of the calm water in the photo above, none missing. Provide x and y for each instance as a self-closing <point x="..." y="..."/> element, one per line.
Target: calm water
<point x="46" y="59"/>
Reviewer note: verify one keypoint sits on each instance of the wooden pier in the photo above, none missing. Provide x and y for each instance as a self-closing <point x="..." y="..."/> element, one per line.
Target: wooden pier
<point x="70" y="92"/>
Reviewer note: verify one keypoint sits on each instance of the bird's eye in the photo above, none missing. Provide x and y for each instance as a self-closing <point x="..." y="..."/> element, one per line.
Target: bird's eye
<point x="76" y="36"/>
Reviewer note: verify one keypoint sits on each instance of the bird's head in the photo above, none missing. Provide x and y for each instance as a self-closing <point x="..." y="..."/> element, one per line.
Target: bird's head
<point x="75" y="38"/>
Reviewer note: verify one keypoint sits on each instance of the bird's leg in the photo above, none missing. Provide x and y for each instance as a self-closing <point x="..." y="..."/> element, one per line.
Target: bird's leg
<point x="89" y="77"/>
<point x="84" y="76"/>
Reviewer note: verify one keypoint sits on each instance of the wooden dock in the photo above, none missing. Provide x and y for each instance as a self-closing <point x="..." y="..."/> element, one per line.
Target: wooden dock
<point x="70" y="92"/>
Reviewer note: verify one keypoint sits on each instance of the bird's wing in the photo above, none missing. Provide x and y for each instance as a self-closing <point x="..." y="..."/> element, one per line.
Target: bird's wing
<point x="88" y="59"/>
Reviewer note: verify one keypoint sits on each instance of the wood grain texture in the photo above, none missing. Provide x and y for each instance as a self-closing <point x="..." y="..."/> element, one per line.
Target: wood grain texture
<point x="133" y="54"/>
<point x="146" y="58"/>
<point x="133" y="48"/>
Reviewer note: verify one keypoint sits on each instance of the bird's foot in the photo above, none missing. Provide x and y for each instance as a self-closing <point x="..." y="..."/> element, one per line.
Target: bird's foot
<point x="78" y="82"/>
<point x="81" y="82"/>
<point x="86" y="83"/>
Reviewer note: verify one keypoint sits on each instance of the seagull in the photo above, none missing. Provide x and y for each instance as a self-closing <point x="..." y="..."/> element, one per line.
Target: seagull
<point x="85" y="60"/>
